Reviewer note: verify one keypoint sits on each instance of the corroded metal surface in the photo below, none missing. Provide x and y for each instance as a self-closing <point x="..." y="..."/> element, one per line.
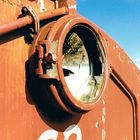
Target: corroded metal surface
<point x="34" y="107"/>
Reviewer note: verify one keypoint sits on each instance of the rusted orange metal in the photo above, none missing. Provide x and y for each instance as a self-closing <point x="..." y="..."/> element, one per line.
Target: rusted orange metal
<point x="36" y="100"/>
<point x="27" y="20"/>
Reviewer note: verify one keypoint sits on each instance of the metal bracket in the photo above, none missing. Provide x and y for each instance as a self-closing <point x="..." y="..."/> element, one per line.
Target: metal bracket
<point x="28" y="10"/>
<point x="46" y="60"/>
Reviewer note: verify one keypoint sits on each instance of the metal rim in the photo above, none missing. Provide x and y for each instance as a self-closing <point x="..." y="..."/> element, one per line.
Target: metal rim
<point x="67" y="26"/>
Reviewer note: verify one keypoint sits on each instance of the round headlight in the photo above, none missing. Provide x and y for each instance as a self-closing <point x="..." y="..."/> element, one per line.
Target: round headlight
<point x="73" y="58"/>
<point x="79" y="66"/>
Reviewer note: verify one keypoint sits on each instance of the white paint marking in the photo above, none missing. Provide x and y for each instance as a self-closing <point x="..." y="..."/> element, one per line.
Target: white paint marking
<point x="42" y="5"/>
<point x="72" y="6"/>
<point x="72" y="129"/>
<point x="103" y="134"/>
<point x="53" y="134"/>
<point x="49" y="134"/>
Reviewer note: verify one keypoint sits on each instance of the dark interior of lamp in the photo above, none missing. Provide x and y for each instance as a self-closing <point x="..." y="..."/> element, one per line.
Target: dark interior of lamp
<point x="83" y="64"/>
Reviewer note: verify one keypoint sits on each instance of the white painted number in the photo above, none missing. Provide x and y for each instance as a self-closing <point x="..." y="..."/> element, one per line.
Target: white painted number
<point x="73" y="129"/>
<point x="52" y="134"/>
<point x="49" y="134"/>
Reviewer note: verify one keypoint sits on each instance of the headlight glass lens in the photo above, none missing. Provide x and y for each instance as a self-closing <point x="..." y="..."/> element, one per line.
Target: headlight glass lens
<point x="78" y="71"/>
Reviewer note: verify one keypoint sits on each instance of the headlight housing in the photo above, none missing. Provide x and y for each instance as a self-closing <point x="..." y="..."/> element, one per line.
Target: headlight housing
<point x="80" y="67"/>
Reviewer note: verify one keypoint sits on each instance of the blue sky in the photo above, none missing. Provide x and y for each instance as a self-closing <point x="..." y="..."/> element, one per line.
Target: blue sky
<point x="118" y="18"/>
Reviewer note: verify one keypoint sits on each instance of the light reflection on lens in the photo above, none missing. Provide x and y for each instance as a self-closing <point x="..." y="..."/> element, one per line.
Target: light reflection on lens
<point x="83" y="84"/>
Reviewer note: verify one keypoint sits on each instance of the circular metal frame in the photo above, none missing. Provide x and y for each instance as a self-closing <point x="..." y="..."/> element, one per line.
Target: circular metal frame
<point x="59" y="32"/>
<point x="55" y="33"/>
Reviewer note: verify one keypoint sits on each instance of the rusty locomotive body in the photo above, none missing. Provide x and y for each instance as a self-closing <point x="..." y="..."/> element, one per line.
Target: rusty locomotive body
<point x="62" y="77"/>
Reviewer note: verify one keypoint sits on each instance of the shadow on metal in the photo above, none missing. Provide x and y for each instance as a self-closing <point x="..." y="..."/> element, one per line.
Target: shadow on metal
<point x="26" y="32"/>
<point x="38" y="93"/>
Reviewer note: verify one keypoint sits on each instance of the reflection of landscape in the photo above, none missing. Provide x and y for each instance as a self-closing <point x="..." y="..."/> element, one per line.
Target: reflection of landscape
<point x="74" y="52"/>
<point x="83" y="86"/>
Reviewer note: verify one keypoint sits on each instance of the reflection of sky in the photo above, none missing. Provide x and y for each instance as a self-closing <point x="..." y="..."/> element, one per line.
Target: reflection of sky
<point x="81" y="84"/>
<point x="77" y="80"/>
<point x="119" y="18"/>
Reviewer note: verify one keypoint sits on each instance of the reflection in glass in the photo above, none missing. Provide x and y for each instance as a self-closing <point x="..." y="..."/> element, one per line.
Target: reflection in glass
<point x="82" y="83"/>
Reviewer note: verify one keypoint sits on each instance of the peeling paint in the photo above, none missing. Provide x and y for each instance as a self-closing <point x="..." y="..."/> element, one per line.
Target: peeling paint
<point x="72" y="6"/>
<point x="138" y="75"/>
<point x="103" y="119"/>
<point x="42" y="5"/>
<point x="103" y="115"/>
<point x="116" y="47"/>
<point x="106" y="42"/>
<point x="97" y="124"/>
<point x="103" y="134"/>
<point x="104" y="111"/>
<point x="120" y="57"/>
<point x="103" y="101"/>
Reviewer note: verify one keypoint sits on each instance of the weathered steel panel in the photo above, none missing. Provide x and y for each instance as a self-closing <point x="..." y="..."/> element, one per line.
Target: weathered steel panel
<point x="31" y="110"/>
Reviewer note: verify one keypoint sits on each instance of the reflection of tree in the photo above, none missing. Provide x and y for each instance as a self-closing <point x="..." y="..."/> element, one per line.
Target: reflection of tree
<point x="74" y="50"/>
